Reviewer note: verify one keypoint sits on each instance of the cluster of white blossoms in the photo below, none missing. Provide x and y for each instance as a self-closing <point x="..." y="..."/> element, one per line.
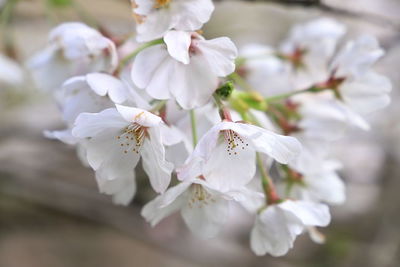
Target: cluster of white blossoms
<point x="256" y="110"/>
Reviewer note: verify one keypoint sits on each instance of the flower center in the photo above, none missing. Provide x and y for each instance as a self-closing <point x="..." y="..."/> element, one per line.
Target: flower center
<point x="161" y="3"/>
<point x="234" y="142"/>
<point x="199" y="196"/>
<point x="132" y="138"/>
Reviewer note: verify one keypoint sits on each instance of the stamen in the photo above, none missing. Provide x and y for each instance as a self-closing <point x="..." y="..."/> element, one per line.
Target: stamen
<point x="132" y="132"/>
<point x="199" y="196"/>
<point x="235" y="142"/>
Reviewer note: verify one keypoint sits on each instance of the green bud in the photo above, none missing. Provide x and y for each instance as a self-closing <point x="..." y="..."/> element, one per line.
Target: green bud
<point x="225" y="90"/>
<point x="253" y="100"/>
<point x="237" y="103"/>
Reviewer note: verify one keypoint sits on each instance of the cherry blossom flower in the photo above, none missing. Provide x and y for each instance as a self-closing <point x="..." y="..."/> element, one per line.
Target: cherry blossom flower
<point x="362" y="89"/>
<point x="277" y="226"/>
<point x="186" y="67"/>
<point x="264" y="71"/>
<point x="226" y="154"/>
<point x="115" y="140"/>
<point x="320" y="183"/>
<point x="309" y="48"/>
<point x="73" y="49"/>
<point x="323" y="118"/>
<point x="155" y="17"/>
<point x="91" y="93"/>
<point x="204" y="208"/>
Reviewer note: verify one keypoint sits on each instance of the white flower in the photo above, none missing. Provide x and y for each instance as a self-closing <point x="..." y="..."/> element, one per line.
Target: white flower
<point x="323" y="118"/>
<point x="311" y="45"/>
<point x="357" y="57"/>
<point x="90" y="93"/>
<point x="204" y="208"/>
<point x="115" y="139"/>
<point x="318" y="36"/>
<point x="362" y="89"/>
<point x="155" y="17"/>
<point x="73" y="49"/>
<point x="226" y="154"/>
<point x="366" y="93"/>
<point x="11" y="74"/>
<point x="186" y="68"/>
<point x="264" y="71"/>
<point x="320" y="183"/>
<point x="278" y="225"/>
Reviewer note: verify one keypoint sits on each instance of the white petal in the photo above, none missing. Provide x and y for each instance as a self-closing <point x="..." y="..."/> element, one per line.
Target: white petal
<point x="313" y="154"/>
<point x="64" y="136"/>
<point x="45" y="62"/>
<point x="165" y="204"/>
<point x="111" y="160"/>
<point x="92" y="124"/>
<point x="326" y="186"/>
<point x="246" y="197"/>
<point x="104" y="84"/>
<point x="194" y="165"/>
<point x="78" y="98"/>
<point x="226" y="170"/>
<point x="178" y="43"/>
<point x="155" y="25"/>
<point x="171" y="135"/>
<point x="220" y="54"/>
<point x="154" y="163"/>
<point x="193" y="85"/>
<point x="122" y="189"/>
<point x="357" y="56"/>
<point x="205" y="220"/>
<point x="161" y="83"/>
<point x="105" y="152"/>
<point x="367" y="93"/>
<point x="140" y="116"/>
<point x="173" y="193"/>
<point x="308" y="213"/>
<point x="273" y="232"/>
<point x="281" y="148"/>
<point x="192" y="14"/>
<point x="146" y="64"/>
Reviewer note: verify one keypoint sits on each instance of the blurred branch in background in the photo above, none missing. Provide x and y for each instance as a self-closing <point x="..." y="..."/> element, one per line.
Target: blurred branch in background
<point x="334" y="10"/>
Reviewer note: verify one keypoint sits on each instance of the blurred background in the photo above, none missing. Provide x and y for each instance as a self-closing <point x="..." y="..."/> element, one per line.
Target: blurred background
<point x="51" y="214"/>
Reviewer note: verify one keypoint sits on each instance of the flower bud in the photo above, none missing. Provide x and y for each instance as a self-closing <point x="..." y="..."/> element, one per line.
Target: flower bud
<point x="225" y="90"/>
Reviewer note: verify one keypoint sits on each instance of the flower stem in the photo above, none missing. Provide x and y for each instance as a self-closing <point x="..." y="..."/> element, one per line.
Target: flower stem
<point x="194" y="128"/>
<point x="223" y="111"/>
<point x="267" y="183"/>
<point x="130" y="56"/>
<point x="283" y="96"/>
